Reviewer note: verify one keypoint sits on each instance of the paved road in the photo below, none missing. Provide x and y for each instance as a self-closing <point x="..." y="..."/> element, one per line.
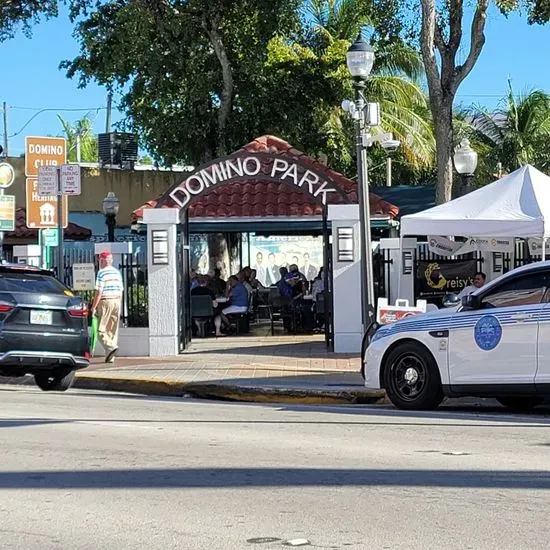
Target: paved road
<point x="97" y="471"/>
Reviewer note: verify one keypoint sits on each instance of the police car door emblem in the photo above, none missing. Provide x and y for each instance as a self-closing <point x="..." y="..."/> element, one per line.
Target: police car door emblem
<point x="488" y="332"/>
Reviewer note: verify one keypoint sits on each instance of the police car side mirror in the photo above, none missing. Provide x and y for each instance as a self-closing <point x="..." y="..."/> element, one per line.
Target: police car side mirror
<point x="471" y="302"/>
<point x="451" y="300"/>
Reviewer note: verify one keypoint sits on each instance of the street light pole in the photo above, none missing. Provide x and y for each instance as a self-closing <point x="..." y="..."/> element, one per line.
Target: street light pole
<point x="111" y="205"/>
<point x="361" y="181"/>
<point x="367" y="280"/>
<point x="360" y="59"/>
<point x="465" y="161"/>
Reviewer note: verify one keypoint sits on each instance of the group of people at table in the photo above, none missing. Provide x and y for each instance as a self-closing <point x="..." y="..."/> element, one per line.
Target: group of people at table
<point x="244" y="292"/>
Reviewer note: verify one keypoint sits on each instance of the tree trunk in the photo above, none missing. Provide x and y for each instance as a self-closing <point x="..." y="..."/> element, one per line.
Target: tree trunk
<point x="226" y="99"/>
<point x="443" y="126"/>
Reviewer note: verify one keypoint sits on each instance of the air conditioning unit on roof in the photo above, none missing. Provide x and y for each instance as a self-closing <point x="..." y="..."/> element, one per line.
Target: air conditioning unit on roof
<point x="117" y="150"/>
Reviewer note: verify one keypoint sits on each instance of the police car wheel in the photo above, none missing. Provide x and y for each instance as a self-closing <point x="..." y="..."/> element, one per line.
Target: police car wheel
<point x="520" y="403"/>
<point x="412" y="378"/>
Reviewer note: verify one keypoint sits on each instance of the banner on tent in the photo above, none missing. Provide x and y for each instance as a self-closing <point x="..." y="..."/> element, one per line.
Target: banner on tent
<point x="490" y="244"/>
<point x="535" y="247"/>
<point x="445" y="247"/>
<point x="435" y="279"/>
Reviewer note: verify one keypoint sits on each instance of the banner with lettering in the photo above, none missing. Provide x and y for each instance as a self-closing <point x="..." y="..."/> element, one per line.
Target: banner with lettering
<point x="445" y="247"/>
<point x="434" y="279"/>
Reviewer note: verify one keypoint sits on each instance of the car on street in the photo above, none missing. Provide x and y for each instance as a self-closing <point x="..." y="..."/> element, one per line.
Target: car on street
<point x="495" y="343"/>
<point x="43" y="327"/>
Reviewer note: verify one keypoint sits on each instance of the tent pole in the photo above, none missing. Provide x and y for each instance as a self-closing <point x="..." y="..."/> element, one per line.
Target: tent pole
<point x="400" y="266"/>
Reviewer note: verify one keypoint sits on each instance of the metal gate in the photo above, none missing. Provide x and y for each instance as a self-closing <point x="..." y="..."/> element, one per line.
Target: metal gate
<point x="381" y="263"/>
<point x="183" y="267"/>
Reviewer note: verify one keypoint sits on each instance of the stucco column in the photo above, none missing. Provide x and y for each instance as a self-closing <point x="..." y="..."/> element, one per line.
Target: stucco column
<point x="162" y="280"/>
<point x="346" y="276"/>
<point x="401" y="268"/>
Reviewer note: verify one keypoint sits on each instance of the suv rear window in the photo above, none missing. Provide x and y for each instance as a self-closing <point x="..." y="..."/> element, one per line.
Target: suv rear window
<point x="28" y="282"/>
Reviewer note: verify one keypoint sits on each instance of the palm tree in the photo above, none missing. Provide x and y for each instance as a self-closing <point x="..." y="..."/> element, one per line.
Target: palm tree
<point x="81" y="140"/>
<point x="518" y="131"/>
<point x="338" y="19"/>
<point x="394" y="82"/>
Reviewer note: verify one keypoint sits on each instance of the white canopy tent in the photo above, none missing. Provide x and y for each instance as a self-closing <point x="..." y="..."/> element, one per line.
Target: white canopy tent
<point x="518" y="205"/>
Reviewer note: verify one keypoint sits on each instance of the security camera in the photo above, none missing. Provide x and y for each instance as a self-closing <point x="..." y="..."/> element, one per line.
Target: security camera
<point x="391" y="145"/>
<point x="349" y="107"/>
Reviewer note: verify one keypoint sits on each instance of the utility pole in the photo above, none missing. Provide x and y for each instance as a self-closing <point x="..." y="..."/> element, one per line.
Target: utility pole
<point x="109" y="108"/>
<point x="60" y="252"/>
<point x="78" y="148"/>
<point x="5" y="112"/>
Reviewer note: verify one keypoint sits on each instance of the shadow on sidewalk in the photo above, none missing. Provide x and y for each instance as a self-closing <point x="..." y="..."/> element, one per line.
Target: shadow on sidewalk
<point x="273" y="477"/>
<point x="300" y="350"/>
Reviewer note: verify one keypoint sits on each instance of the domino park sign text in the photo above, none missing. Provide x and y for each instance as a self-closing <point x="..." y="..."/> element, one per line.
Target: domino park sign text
<point x="259" y="167"/>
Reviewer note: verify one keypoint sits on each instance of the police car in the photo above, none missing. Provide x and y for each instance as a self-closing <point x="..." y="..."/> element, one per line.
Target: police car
<point x="496" y="343"/>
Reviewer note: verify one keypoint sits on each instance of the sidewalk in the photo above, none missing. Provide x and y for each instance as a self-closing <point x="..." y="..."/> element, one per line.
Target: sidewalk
<point x="271" y="369"/>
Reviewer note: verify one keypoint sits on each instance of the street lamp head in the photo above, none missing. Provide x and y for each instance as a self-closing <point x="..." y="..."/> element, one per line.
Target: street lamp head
<point x="360" y="59"/>
<point x="111" y="204"/>
<point x="465" y="159"/>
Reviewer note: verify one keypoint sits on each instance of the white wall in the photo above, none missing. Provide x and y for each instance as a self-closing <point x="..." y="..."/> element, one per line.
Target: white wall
<point x="132" y="342"/>
<point x="163" y="285"/>
<point x="348" y="327"/>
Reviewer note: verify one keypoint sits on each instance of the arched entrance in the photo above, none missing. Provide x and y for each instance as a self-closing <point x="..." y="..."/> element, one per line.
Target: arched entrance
<point x="267" y="185"/>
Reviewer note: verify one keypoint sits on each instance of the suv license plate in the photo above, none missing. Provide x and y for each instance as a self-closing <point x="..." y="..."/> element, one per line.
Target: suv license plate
<point x="40" y="317"/>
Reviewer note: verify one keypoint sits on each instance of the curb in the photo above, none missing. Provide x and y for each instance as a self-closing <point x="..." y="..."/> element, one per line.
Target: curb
<point x="231" y="392"/>
<point x="221" y="391"/>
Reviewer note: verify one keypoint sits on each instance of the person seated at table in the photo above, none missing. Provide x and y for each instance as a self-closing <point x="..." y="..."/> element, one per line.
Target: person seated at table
<point x="203" y="287"/>
<point x="204" y="290"/>
<point x="243" y="276"/>
<point x="318" y="284"/>
<point x="193" y="279"/>
<point x="217" y="284"/>
<point x="286" y="290"/>
<point x="238" y="303"/>
<point x="317" y="290"/>
<point x="302" y="307"/>
<point x="254" y="282"/>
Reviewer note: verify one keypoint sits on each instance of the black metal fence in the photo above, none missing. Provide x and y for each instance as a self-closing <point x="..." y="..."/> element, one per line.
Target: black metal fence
<point x="133" y="268"/>
<point x="522" y="256"/>
<point x="382" y="273"/>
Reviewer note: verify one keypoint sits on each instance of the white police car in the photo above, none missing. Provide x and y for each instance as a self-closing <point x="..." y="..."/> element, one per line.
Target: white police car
<point x="495" y="344"/>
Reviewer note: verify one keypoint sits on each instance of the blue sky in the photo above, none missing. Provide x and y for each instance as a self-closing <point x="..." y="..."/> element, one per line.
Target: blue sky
<point x="30" y="66"/>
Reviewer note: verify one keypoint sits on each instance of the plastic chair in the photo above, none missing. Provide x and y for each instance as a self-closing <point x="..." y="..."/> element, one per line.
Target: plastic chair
<point x="202" y="311"/>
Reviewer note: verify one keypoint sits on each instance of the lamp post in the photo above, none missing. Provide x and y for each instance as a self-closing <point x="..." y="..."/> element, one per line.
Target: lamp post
<point x="465" y="160"/>
<point x="111" y="206"/>
<point x="360" y="59"/>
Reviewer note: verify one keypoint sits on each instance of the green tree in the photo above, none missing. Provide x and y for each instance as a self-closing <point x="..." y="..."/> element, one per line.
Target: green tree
<point x="189" y="69"/>
<point x="518" y="132"/>
<point x="450" y="53"/>
<point x="313" y="69"/>
<point x="15" y="14"/>
<point x="81" y="140"/>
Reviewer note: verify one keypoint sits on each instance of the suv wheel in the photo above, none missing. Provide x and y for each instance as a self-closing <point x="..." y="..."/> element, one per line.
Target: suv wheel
<point x="520" y="403"/>
<point x="57" y="380"/>
<point x="412" y="379"/>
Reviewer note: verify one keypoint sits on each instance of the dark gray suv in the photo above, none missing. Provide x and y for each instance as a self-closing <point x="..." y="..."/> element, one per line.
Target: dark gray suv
<point x="43" y="327"/>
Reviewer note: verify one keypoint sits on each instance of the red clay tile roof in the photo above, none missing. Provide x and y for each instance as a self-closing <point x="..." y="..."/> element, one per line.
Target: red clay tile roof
<point x="257" y="198"/>
<point x="73" y="231"/>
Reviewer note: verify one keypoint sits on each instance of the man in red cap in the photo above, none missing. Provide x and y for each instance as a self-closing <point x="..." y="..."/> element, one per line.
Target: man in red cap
<point x="106" y="304"/>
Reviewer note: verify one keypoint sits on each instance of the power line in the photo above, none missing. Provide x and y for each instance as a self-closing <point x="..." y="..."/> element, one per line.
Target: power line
<point x="52" y="109"/>
<point x="97" y="109"/>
